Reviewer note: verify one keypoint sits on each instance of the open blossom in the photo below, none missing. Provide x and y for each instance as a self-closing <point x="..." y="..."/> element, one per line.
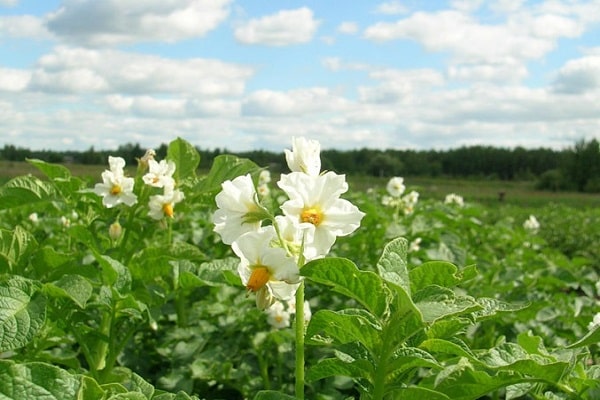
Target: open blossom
<point x="277" y="316"/>
<point x="160" y="174"/>
<point x="162" y="205"/>
<point x="115" y="188"/>
<point x="453" y="198"/>
<point x="236" y="199"/>
<point x="315" y="205"/>
<point x="395" y="186"/>
<point x="263" y="266"/>
<point x="305" y="156"/>
<point x="531" y="224"/>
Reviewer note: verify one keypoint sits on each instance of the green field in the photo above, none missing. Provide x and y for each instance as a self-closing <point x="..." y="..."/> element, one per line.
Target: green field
<point x="211" y="287"/>
<point x="521" y="193"/>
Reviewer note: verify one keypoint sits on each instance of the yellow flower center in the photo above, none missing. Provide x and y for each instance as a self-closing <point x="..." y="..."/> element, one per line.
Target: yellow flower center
<point x="312" y="215"/>
<point x="168" y="209"/>
<point x="116" y="189"/>
<point x="259" y="278"/>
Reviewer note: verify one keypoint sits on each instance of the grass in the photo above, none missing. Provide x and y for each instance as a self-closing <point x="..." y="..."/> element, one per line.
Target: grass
<point x="520" y="193"/>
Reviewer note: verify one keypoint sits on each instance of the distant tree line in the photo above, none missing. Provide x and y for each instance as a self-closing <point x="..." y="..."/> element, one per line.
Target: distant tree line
<point x="573" y="168"/>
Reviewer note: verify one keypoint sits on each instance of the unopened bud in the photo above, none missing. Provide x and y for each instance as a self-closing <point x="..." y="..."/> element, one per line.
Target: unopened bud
<point x="115" y="230"/>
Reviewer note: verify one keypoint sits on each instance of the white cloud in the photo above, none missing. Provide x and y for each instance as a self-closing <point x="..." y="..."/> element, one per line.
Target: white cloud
<point x="292" y="103"/>
<point x="398" y="86"/>
<point x="94" y="22"/>
<point x="465" y="38"/>
<point x="284" y="28"/>
<point x="508" y="73"/>
<point x="579" y="76"/>
<point x="79" y="70"/>
<point x="348" y="28"/>
<point x="23" y="26"/>
<point x="391" y="8"/>
<point x="9" y="3"/>
<point x="13" y="80"/>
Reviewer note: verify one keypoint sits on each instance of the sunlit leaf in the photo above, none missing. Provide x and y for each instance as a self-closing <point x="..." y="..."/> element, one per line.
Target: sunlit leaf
<point x="345" y="278"/>
<point x="22" y="312"/>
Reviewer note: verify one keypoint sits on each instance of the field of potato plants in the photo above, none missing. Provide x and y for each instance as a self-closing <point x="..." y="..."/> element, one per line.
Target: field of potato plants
<point x="238" y="284"/>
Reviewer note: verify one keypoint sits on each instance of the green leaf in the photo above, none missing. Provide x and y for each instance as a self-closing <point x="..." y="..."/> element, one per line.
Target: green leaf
<point x="417" y="393"/>
<point x="272" y="395"/>
<point x="186" y="158"/>
<point x="467" y="384"/>
<point x="22" y="312"/>
<point x="115" y="274"/>
<point x="225" y="167"/>
<point x="15" y="246"/>
<point x="346" y="326"/>
<point x="491" y="307"/>
<point x="345" y="278"/>
<point x="410" y="358"/>
<point x="25" y="190"/>
<point x="52" y="171"/>
<point x="36" y="380"/>
<point x="453" y="347"/>
<point x="440" y="273"/>
<point x="592" y="337"/>
<point x="441" y="303"/>
<point x="336" y="367"/>
<point x="74" y="287"/>
<point x="392" y="264"/>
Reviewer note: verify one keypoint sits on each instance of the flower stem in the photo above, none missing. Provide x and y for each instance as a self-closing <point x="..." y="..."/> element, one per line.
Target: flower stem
<point x="300" y="342"/>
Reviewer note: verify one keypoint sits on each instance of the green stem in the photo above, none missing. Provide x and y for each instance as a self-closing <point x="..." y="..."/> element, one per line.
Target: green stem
<point x="300" y="342"/>
<point x="381" y="368"/>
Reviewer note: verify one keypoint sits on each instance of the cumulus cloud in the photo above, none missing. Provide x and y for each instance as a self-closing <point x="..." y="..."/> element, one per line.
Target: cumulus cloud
<point x="579" y="76"/>
<point x="23" y="26"/>
<point x="295" y="102"/>
<point x="13" y="80"/>
<point x="284" y="28"/>
<point x="92" y="22"/>
<point x="398" y="85"/>
<point x="8" y="3"/>
<point x="348" y="28"/>
<point x="390" y="8"/>
<point x="79" y="70"/>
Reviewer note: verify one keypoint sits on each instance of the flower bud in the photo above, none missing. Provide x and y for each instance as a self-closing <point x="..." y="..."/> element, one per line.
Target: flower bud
<point x="115" y="230"/>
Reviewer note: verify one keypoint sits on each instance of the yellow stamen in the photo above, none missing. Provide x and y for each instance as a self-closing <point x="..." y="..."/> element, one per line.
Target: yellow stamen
<point x="259" y="278"/>
<point x="312" y="215"/>
<point x="168" y="209"/>
<point x="115" y="190"/>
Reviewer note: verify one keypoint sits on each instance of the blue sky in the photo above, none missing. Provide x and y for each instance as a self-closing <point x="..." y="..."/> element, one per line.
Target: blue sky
<point x="244" y="75"/>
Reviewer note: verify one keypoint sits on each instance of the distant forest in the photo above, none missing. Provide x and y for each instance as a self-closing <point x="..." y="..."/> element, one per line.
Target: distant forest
<point x="574" y="168"/>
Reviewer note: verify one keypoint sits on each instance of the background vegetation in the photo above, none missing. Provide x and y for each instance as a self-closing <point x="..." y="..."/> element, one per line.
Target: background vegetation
<point x="576" y="168"/>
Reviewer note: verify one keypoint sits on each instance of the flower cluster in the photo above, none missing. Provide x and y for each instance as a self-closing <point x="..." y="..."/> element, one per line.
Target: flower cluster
<point x="313" y="217"/>
<point x="278" y="315"/>
<point x="396" y="197"/>
<point x="454" y="199"/>
<point x="116" y="188"/>
<point x="160" y="175"/>
<point x="531" y="224"/>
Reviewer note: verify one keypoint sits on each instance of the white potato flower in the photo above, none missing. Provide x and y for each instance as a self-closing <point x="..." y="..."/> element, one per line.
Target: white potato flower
<point x="277" y="316"/>
<point x="236" y="199"/>
<point x="262" y="265"/>
<point x="531" y="224"/>
<point x="305" y="156"/>
<point x="161" y="205"/>
<point x="453" y="198"/>
<point x="315" y="205"/>
<point x="160" y="174"/>
<point x="116" y="188"/>
<point x="395" y="186"/>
